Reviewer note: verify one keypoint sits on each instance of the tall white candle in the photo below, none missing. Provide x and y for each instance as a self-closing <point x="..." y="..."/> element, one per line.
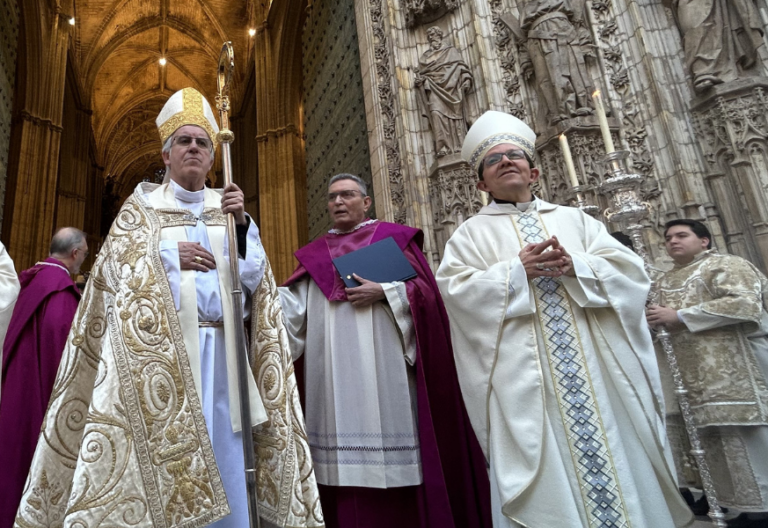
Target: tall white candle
<point x="603" y="120"/>
<point x="568" y="160"/>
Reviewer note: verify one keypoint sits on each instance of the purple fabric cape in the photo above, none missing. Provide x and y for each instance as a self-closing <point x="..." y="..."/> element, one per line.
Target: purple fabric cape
<point x="456" y="491"/>
<point x="32" y="351"/>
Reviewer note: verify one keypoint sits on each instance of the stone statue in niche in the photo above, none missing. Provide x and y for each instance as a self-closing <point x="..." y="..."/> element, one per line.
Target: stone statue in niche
<point x="720" y="38"/>
<point x="443" y="80"/>
<point x="426" y="11"/>
<point x="553" y="41"/>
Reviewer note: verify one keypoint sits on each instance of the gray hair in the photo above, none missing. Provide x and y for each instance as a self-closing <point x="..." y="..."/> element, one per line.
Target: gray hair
<point x="65" y="240"/>
<point x="167" y="148"/>
<point x="345" y="176"/>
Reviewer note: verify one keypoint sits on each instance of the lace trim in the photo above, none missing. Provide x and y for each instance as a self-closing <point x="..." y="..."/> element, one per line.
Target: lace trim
<point x="358" y="226"/>
<point x="54" y="265"/>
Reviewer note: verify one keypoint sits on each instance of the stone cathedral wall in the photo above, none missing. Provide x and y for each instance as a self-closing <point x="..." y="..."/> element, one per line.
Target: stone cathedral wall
<point x="9" y="33"/>
<point x="333" y="104"/>
<point x="697" y="133"/>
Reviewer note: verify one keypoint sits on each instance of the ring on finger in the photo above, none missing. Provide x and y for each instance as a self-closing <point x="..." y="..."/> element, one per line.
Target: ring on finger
<point x="540" y="266"/>
<point x="199" y="259"/>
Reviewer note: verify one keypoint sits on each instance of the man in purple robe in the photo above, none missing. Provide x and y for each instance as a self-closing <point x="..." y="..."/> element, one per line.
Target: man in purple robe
<point x="36" y="337"/>
<point x="390" y="439"/>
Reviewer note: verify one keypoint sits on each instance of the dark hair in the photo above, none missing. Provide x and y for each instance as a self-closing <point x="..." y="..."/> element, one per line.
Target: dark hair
<point x="623" y="239"/>
<point x="699" y="229"/>
<point x="482" y="165"/>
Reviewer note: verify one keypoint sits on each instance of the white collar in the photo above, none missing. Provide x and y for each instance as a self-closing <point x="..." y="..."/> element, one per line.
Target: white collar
<point x="358" y="226"/>
<point x="186" y="196"/>
<point x="54" y="265"/>
<point x="520" y="206"/>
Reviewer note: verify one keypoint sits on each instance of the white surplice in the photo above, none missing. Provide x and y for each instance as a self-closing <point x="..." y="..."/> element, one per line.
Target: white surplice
<point x="559" y="375"/>
<point x="9" y="291"/>
<point x="359" y="385"/>
<point x="214" y="384"/>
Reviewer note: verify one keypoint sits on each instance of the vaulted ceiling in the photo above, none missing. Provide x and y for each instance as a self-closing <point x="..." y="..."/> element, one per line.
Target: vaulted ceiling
<point x="118" y="47"/>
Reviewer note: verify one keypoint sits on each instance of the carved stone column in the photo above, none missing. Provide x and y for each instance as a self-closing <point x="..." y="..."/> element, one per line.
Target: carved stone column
<point x="453" y="195"/>
<point x="36" y="133"/>
<point x="731" y="125"/>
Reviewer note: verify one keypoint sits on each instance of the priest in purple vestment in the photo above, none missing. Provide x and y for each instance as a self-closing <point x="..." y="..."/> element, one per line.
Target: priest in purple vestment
<point x="388" y="432"/>
<point x="33" y="345"/>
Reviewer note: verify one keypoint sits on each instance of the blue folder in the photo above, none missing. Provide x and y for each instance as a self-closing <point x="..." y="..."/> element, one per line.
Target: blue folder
<point x="383" y="261"/>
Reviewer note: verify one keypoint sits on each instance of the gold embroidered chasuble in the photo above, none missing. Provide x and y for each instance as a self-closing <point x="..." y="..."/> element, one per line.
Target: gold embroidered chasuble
<point x="124" y="441"/>
<point x="718" y="365"/>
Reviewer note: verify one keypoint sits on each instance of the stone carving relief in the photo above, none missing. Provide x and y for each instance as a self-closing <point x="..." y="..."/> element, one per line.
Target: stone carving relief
<point x="444" y="80"/>
<point x="588" y="151"/>
<point x="424" y="11"/>
<point x="386" y="95"/>
<point x="505" y="48"/>
<point x="720" y="38"/>
<point x="731" y="121"/>
<point x="732" y="129"/>
<point x="633" y="125"/>
<point x="553" y="42"/>
<point x="453" y="195"/>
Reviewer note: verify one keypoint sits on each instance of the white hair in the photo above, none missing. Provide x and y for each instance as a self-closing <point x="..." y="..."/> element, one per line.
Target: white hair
<point x="167" y="148"/>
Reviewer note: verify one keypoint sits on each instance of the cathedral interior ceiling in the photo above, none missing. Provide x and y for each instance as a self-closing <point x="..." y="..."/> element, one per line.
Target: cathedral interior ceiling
<point x="118" y="47"/>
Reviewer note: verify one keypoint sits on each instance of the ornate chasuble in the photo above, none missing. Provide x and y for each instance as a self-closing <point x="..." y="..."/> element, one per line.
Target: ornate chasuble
<point x="124" y="441"/>
<point x="718" y="365"/>
<point x="575" y="395"/>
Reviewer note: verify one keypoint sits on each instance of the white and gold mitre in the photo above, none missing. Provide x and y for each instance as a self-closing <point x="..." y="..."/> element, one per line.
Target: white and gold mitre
<point x="496" y="128"/>
<point x="186" y="107"/>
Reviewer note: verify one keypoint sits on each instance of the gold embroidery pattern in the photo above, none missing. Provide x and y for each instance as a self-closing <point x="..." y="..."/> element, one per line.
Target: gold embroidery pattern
<point x="124" y="438"/>
<point x="731" y="469"/>
<point x="124" y="441"/>
<point x="293" y="499"/>
<point x="192" y="114"/>
<point x="719" y="368"/>
<point x="184" y="217"/>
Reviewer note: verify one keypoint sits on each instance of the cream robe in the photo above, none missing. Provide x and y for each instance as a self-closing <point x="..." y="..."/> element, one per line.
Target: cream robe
<point x="360" y="388"/>
<point x="9" y="291"/>
<point x="523" y="399"/>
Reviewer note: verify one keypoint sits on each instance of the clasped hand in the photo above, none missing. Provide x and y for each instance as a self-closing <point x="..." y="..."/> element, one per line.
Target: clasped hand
<point x="538" y="262"/>
<point x="366" y="294"/>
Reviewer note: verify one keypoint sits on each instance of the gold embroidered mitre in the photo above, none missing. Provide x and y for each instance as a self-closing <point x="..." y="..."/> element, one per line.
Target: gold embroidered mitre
<point x="186" y="107"/>
<point x="496" y="128"/>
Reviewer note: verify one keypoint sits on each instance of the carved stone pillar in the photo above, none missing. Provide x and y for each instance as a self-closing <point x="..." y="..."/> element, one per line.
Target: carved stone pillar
<point x="453" y="195"/>
<point x="732" y="129"/>
<point x="36" y="133"/>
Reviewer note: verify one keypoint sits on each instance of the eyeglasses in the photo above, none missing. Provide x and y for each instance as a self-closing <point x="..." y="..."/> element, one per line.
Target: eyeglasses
<point x="345" y="195"/>
<point x="186" y="141"/>
<point x="84" y="251"/>
<point x="494" y="159"/>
